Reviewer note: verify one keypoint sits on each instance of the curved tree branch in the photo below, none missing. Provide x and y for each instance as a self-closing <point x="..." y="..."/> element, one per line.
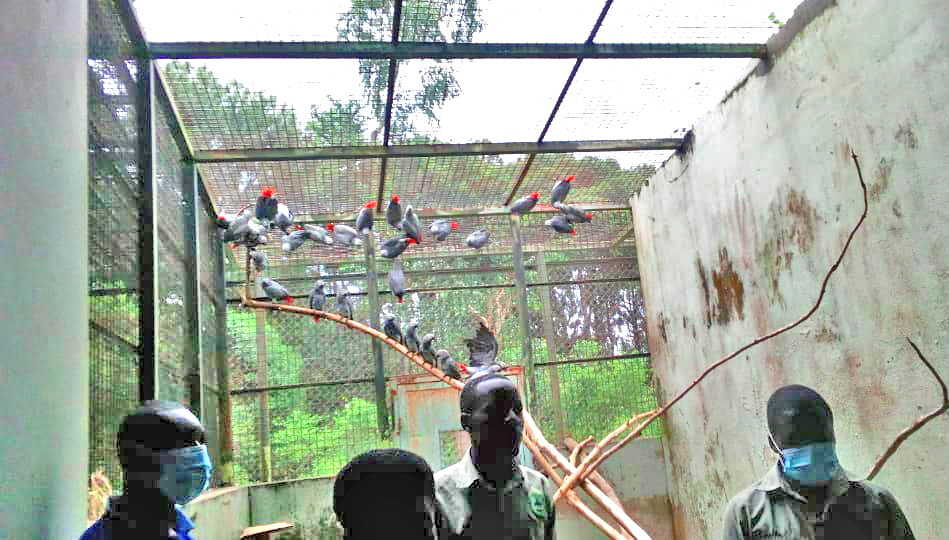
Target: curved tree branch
<point x="593" y="460"/>
<point x="920" y="422"/>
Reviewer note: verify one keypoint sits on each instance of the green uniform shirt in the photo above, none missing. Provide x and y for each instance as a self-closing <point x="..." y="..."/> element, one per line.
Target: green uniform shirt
<point x="472" y="508"/>
<point x="854" y="511"/>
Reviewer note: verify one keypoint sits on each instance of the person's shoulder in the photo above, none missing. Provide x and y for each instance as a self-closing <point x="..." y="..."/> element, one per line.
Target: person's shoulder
<point x="96" y="531"/>
<point x="534" y="478"/>
<point x="448" y="474"/>
<point x="745" y="498"/>
<point x="876" y="493"/>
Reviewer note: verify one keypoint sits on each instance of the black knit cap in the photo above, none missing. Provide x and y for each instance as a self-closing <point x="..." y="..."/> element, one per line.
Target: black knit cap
<point x="157" y="426"/>
<point x="381" y="474"/>
<point x="466" y="399"/>
<point x="797" y="415"/>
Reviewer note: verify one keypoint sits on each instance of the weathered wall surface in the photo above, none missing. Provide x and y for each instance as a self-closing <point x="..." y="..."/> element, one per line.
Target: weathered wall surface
<point x="735" y="233"/>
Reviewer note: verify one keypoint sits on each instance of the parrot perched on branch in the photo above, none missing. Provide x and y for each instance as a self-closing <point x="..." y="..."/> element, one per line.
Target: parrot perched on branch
<point x="318" y="297"/>
<point x="275" y="291"/>
<point x="259" y="258"/>
<point x="561" y="224"/>
<point x="412" y="225"/>
<point x="394" y="247"/>
<point x="478" y="239"/>
<point x="318" y="234"/>
<point x="266" y="208"/>
<point x="294" y="240"/>
<point x="573" y="213"/>
<point x="482" y="350"/>
<point x="394" y="212"/>
<point x="364" y="219"/>
<point x="446" y="364"/>
<point x="344" y="303"/>
<point x="411" y="337"/>
<point x="397" y="280"/>
<point x="560" y="190"/>
<point x="441" y="228"/>
<point x="426" y="348"/>
<point x="391" y="328"/>
<point x="525" y="204"/>
<point x="345" y="234"/>
<point x="284" y="218"/>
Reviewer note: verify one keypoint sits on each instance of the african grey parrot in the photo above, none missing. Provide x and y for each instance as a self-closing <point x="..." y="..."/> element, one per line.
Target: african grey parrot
<point x="284" y="218"/>
<point x="525" y="204"/>
<point x="391" y="328"/>
<point x="482" y="350"/>
<point x="573" y="213"/>
<point x="412" y="225"/>
<point x="344" y="234"/>
<point x="318" y="233"/>
<point x="478" y="239"/>
<point x="560" y="190"/>
<point x="441" y="228"/>
<point x="411" y="337"/>
<point x="259" y="258"/>
<point x="344" y="304"/>
<point x="394" y="247"/>
<point x="426" y="348"/>
<point x="266" y="208"/>
<point x="394" y="212"/>
<point x="275" y="291"/>
<point x="446" y="364"/>
<point x="364" y="219"/>
<point x="397" y="280"/>
<point x="290" y="242"/>
<point x="561" y="224"/>
<point x="318" y="297"/>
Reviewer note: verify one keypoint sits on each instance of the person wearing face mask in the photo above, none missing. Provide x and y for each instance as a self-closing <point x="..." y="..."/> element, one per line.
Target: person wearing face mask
<point x="807" y="495"/>
<point x="487" y="495"/>
<point x="165" y="463"/>
<point x="386" y="494"/>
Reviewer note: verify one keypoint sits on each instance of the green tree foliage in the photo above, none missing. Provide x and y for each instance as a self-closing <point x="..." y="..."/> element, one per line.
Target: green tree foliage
<point x="440" y="22"/>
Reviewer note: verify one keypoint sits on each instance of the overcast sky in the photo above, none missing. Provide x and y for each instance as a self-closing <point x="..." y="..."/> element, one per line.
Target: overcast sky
<point x="501" y="100"/>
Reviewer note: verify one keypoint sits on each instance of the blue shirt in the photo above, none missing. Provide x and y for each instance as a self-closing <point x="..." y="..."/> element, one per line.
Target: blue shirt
<point x="100" y="531"/>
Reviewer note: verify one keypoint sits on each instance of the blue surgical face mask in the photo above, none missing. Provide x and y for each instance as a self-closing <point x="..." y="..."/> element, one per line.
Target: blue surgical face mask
<point x="185" y="473"/>
<point x="811" y="465"/>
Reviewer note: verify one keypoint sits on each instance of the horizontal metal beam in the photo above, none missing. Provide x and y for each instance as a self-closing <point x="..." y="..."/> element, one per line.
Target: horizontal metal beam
<point x="591" y="360"/>
<point x="409" y="50"/>
<point x="435" y="213"/>
<point x="432" y="150"/>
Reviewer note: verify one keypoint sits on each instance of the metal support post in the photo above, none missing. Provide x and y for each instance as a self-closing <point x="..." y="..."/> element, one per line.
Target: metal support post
<point x="148" y="244"/>
<point x="192" y="345"/>
<point x="520" y="282"/>
<point x="226" y="468"/>
<point x="380" y="376"/>
<point x="551" y="349"/>
<point x="263" y="421"/>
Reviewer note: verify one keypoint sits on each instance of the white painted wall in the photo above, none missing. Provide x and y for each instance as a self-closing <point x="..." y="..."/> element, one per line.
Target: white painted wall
<point x="760" y="204"/>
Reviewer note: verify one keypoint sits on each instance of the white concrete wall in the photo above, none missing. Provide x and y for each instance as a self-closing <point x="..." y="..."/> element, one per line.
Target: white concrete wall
<point x="44" y="367"/>
<point x="735" y="233"/>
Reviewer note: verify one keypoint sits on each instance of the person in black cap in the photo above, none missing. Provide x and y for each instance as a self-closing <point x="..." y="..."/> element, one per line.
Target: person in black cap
<point x="807" y="495"/>
<point x="386" y="493"/>
<point x="165" y="462"/>
<point x="487" y="495"/>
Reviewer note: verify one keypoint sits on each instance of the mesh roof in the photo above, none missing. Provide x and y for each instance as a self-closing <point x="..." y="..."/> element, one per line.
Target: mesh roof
<point x="287" y="106"/>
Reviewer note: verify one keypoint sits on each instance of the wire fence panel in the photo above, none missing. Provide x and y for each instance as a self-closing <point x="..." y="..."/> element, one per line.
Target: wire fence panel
<point x="209" y="287"/>
<point x="175" y="366"/>
<point x="114" y="295"/>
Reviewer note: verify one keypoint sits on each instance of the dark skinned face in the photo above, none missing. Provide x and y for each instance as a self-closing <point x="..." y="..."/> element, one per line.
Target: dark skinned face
<point x="495" y="422"/>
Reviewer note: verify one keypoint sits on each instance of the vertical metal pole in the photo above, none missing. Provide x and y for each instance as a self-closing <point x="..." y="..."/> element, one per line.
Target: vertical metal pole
<point x="192" y="348"/>
<point x="147" y="244"/>
<point x="373" y="294"/>
<point x="223" y="377"/>
<point x="551" y="348"/>
<point x="521" y="282"/>
<point x="263" y="424"/>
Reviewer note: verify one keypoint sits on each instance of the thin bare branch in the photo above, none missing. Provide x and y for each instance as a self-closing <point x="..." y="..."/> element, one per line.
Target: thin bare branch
<point x="593" y="461"/>
<point x="920" y="422"/>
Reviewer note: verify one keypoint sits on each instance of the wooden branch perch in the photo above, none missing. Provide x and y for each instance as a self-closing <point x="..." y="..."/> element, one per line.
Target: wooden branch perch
<point x="531" y="431"/>
<point x="920" y="422"/>
<point x="594" y="460"/>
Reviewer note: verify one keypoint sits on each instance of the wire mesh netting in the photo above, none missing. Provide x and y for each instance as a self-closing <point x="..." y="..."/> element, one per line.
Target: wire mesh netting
<point x="176" y="358"/>
<point x="212" y="327"/>
<point x="114" y="162"/>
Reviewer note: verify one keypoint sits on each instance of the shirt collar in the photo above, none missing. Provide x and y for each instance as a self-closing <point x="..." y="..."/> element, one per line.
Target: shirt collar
<point x="775" y="481"/>
<point x="468" y="475"/>
<point x="183" y="524"/>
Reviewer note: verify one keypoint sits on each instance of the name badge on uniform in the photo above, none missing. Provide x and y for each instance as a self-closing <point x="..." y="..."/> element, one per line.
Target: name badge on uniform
<point x="538" y="504"/>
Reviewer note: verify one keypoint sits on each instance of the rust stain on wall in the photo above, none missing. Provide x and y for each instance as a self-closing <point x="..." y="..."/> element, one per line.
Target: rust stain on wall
<point x="729" y="289"/>
<point x="703" y="279"/>
<point x="906" y="136"/>
<point x="883" y="172"/>
<point x="790" y="229"/>
<point x="826" y="335"/>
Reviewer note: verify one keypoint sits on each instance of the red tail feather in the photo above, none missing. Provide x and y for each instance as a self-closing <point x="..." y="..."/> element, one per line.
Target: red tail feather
<point x="395" y="198"/>
<point x="400" y="299"/>
<point x="573" y="232"/>
<point x="569" y="178"/>
<point x="316" y="318"/>
<point x="371" y="204"/>
<point x="454" y="225"/>
<point x="289" y="300"/>
<point x="267" y="191"/>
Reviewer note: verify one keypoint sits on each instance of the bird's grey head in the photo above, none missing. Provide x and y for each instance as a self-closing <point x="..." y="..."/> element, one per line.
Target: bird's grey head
<point x="442" y="354"/>
<point x="320" y="284"/>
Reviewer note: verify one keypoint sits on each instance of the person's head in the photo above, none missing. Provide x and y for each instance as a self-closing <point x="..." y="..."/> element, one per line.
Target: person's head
<point x="386" y="493"/>
<point x="491" y="414"/>
<point x="162" y="451"/>
<point x="801" y="428"/>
